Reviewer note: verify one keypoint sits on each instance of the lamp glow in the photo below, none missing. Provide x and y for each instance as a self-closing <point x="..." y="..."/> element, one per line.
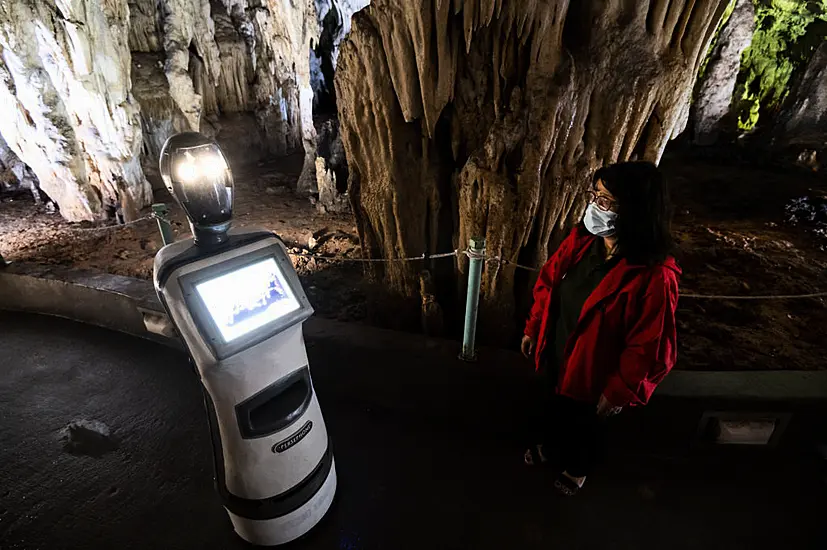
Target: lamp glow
<point x="187" y="169"/>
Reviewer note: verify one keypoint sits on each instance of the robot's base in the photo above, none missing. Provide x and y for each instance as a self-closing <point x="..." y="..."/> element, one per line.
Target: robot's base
<point x="281" y="530"/>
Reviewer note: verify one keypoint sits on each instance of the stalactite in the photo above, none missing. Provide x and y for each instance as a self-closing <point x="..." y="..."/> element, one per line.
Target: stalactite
<point x="715" y="88"/>
<point x="534" y="97"/>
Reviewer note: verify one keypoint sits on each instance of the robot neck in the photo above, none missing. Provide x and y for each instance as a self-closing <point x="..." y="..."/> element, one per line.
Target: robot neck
<point x="210" y="236"/>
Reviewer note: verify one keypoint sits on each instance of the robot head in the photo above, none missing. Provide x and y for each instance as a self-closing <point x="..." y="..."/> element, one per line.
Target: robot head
<point x="196" y="173"/>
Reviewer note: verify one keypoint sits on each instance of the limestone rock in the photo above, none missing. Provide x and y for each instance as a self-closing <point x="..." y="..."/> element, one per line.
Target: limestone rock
<point x="15" y="175"/>
<point x="278" y="37"/>
<point x="145" y="28"/>
<point x="331" y="168"/>
<point x="68" y="111"/>
<point x="714" y="98"/>
<point x="234" y="83"/>
<point x="160" y="115"/>
<point x="187" y="24"/>
<point x="802" y="124"/>
<point x="330" y="200"/>
<point x="228" y="57"/>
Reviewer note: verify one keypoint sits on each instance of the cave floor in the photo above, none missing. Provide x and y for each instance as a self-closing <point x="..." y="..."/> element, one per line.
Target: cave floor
<point x="732" y="229"/>
<point x="405" y="481"/>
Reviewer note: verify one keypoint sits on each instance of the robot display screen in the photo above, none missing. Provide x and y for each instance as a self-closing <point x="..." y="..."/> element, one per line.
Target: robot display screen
<point x="247" y="298"/>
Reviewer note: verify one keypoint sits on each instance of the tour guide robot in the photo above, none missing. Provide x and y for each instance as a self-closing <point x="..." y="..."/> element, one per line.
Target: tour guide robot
<point x="238" y="305"/>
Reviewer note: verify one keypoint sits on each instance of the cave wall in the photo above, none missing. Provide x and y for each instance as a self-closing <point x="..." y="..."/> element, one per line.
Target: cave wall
<point x="802" y="124"/>
<point x="94" y="86"/>
<point x="231" y="57"/>
<point x="488" y="117"/>
<point x="68" y="109"/>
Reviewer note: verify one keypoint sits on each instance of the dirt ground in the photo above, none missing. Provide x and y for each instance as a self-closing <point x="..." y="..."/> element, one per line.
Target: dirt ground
<point x="732" y="226"/>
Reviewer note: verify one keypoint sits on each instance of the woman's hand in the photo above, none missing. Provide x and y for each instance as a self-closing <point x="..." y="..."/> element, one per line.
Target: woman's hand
<point x="605" y="409"/>
<point x="527" y="346"/>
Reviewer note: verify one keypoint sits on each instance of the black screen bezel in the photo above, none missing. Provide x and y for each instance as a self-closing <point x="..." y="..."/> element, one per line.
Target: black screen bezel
<point x="208" y="327"/>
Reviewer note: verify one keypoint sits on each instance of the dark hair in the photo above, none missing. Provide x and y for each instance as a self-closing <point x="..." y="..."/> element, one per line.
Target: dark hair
<point x="644" y="213"/>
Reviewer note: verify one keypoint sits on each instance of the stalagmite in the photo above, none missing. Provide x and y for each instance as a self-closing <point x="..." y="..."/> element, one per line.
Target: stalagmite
<point x="714" y="97"/>
<point x="487" y="118"/>
<point x="68" y="111"/>
<point x="15" y="175"/>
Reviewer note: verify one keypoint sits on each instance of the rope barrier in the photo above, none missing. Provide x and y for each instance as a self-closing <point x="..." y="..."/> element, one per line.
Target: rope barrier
<point x="501" y="261"/>
<point x="117" y="226"/>
<point x="375" y="260"/>
<point x="472" y="255"/>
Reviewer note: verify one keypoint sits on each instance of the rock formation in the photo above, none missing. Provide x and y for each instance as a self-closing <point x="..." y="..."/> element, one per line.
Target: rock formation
<point x="466" y="118"/>
<point x="331" y="169"/>
<point x="714" y="98"/>
<point x="802" y="125"/>
<point x="15" y="175"/>
<point x="228" y="57"/>
<point x="68" y="109"/>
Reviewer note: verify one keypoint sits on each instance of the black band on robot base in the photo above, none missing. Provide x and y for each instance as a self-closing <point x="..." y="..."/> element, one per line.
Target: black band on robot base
<point x="283" y="504"/>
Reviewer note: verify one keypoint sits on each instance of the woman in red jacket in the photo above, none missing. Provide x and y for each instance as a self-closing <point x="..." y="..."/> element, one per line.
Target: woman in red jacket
<point x="602" y="326"/>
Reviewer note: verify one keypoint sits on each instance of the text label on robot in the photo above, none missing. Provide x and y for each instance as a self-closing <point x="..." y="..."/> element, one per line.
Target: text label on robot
<point x="293" y="439"/>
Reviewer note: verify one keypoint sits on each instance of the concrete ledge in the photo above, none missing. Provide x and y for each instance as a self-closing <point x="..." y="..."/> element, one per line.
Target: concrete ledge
<point x="100" y="299"/>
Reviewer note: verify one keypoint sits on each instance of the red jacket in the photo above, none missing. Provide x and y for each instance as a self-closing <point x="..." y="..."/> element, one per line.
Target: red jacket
<point x="624" y="343"/>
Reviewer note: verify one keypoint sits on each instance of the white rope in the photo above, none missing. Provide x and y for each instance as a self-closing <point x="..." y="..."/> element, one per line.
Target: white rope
<point x="117" y="226"/>
<point x="376" y="260"/>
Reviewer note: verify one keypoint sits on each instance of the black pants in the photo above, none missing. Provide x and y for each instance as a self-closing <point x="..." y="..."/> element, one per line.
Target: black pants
<point x="574" y="438"/>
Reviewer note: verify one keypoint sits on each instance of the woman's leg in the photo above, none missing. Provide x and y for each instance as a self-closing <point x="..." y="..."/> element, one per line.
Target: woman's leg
<point x="542" y="431"/>
<point x="588" y="440"/>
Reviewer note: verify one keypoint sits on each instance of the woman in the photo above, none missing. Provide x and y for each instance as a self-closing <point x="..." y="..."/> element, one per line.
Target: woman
<point x="602" y="326"/>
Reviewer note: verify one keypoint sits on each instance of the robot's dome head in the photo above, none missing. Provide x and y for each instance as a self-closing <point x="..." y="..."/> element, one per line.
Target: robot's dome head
<point x="196" y="173"/>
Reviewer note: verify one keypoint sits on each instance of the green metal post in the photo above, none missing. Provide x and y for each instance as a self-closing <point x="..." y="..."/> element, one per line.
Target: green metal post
<point x="161" y="211"/>
<point x="476" y="247"/>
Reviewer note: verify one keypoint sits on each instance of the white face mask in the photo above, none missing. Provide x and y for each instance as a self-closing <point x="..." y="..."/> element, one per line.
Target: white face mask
<point x="598" y="222"/>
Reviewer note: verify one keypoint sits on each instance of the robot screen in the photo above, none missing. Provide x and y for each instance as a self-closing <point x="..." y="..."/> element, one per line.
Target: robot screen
<point x="248" y="298"/>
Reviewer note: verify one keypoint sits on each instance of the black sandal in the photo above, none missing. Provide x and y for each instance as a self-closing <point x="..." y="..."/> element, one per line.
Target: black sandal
<point x="566" y="486"/>
<point x="534" y="456"/>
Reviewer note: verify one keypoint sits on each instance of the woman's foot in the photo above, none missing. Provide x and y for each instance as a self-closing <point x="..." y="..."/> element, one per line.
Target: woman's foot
<point x="534" y="455"/>
<point x="568" y="485"/>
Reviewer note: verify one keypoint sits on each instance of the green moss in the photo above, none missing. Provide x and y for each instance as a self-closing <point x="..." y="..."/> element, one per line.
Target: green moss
<point x="786" y="34"/>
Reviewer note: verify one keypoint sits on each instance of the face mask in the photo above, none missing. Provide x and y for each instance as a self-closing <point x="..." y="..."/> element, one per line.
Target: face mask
<point x="598" y="222"/>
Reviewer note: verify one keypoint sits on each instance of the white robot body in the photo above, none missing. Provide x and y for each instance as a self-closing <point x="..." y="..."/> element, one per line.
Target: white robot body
<point x="239" y="309"/>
